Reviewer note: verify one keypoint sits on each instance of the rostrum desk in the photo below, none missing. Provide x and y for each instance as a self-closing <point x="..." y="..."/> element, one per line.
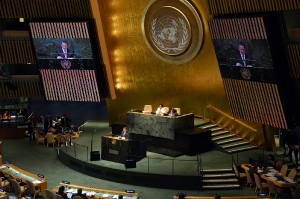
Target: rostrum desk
<point x="22" y="175"/>
<point x="117" y="150"/>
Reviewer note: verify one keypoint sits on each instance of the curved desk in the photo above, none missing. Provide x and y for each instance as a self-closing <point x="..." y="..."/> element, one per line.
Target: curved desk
<point x="24" y="175"/>
<point x="96" y="192"/>
<point x="277" y="182"/>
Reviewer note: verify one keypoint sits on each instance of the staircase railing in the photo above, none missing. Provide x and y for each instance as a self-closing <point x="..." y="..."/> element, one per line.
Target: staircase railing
<point x="233" y="121"/>
<point x="200" y="169"/>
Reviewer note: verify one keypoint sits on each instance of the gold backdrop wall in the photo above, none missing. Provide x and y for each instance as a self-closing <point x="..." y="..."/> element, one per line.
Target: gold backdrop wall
<point x="141" y="78"/>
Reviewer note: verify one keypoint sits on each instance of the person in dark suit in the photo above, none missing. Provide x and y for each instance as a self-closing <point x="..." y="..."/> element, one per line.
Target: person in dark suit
<point x="61" y="192"/>
<point x="30" y="129"/>
<point x="124" y="134"/>
<point x="172" y="112"/>
<point x="242" y="58"/>
<point x="79" y="193"/>
<point x="64" y="52"/>
<point x="22" y="111"/>
<point x="47" y="125"/>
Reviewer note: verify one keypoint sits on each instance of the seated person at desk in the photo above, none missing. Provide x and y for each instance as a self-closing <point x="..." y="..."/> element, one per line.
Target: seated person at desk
<point x="22" y="111"/>
<point x="160" y="109"/>
<point x="124" y="134"/>
<point x="6" y="115"/>
<point x="61" y="192"/>
<point x="271" y="161"/>
<point x="172" y="112"/>
<point x="79" y="193"/>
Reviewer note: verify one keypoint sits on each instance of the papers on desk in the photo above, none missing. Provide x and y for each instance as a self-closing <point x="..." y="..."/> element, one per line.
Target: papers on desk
<point x="115" y="196"/>
<point x="36" y="182"/>
<point x="259" y="171"/>
<point x="272" y="178"/>
<point x="91" y="193"/>
<point x="288" y="179"/>
<point x="105" y="195"/>
<point x="269" y="174"/>
<point x="71" y="191"/>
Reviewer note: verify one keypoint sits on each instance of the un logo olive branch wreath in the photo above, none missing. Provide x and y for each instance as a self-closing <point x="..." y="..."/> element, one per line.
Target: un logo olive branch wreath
<point x="181" y="44"/>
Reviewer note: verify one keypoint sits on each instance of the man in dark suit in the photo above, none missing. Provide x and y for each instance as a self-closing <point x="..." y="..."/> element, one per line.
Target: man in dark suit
<point x="61" y="192"/>
<point x="64" y="52"/>
<point x="172" y="112"/>
<point x="242" y="58"/>
<point x="22" y="111"/>
<point x="79" y="193"/>
<point x="124" y="134"/>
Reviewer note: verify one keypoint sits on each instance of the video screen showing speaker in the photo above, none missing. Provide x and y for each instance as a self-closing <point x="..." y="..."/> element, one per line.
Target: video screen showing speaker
<point x="248" y="58"/>
<point x="65" y="59"/>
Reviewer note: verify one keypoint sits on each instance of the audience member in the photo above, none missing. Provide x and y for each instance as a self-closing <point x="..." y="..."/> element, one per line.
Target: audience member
<point x="30" y="129"/>
<point x="79" y="193"/>
<point x="22" y="111"/>
<point x="47" y="125"/>
<point x="40" y="125"/>
<point x="61" y="192"/>
<point x="172" y="112"/>
<point x="120" y="197"/>
<point x="124" y="134"/>
<point x="217" y="196"/>
<point x="6" y="115"/>
<point x="181" y="196"/>
<point x="271" y="161"/>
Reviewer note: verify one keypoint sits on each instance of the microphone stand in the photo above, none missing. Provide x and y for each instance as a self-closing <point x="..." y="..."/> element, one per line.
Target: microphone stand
<point x="92" y="140"/>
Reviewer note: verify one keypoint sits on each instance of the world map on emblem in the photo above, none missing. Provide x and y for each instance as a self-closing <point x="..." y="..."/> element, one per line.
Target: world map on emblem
<point x="170" y="34"/>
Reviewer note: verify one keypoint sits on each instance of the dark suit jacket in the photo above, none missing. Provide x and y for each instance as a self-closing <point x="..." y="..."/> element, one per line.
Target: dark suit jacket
<point x="70" y="53"/>
<point x="47" y="126"/>
<point x="63" y="195"/>
<point x="127" y="135"/>
<point x="174" y="113"/>
<point x="81" y="195"/>
<point x="238" y="56"/>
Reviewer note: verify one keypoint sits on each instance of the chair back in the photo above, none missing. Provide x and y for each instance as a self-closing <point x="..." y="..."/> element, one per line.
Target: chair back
<point x="257" y="181"/>
<point x="284" y="169"/>
<point x="50" y="138"/>
<point x="49" y="194"/>
<point x="178" y="111"/>
<point x="249" y="178"/>
<point x="30" y="187"/>
<point x="237" y="174"/>
<point x="166" y="109"/>
<point x="292" y="174"/>
<point x="148" y="108"/>
<point x="16" y="186"/>
<point x="278" y="165"/>
<point x="272" y="187"/>
<point x="58" y="196"/>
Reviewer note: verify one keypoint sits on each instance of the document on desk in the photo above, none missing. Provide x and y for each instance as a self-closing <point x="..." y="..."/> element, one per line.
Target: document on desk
<point x="105" y="195"/>
<point x="115" y="197"/>
<point x="272" y="178"/>
<point x="90" y="193"/>
<point x="71" y="190"/>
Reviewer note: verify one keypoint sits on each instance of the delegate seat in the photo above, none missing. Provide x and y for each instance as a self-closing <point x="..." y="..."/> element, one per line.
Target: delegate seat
<point x="38" y="137"/>
<point x="260" y="185"/>
<point x="32" y="190"/>
<point x="178" y="111"/>
<point x="148" y="108"/>
<point x="50" y="139"/>
<point x="19" y="190"/>
<point x="49" y="194"/>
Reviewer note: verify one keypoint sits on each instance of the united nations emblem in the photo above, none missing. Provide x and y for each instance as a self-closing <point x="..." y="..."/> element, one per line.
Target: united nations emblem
<point x="245" y="72"/>
<point x="172" y="30"/>
<point x="66" y="64"/>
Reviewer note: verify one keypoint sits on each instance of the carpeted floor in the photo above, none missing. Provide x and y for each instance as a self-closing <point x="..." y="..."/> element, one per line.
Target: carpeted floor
<point x="40" y="159"/>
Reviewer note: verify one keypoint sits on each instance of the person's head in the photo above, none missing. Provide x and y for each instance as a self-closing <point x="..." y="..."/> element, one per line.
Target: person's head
<point x="181" y="196"/>
<point x="161" y="105"/>
<point x="242" y="49"/>
<point x="61" y="189"/>
<point x="64" y="45"/>
<point x="172" y="108"/>
<point x="79" y="190"/>
<point x="124" y="129"/>
<point x="217" y="196"/>
<point x="21" y="107"/>
<point x="271" y="157"/>
<point x="120" y="197"/>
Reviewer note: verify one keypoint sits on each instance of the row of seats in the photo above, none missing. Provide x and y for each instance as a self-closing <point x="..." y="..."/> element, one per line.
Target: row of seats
<point x="148" y="108"/>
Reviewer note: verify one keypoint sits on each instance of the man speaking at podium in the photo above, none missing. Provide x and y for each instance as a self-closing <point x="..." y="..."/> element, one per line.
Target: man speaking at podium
<point x="64" y="52"/>
<point x="124" y="134"/>
<point x="243" y="59"/>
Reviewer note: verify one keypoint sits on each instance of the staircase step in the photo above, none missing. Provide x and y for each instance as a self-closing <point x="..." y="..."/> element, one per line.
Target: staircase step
<point x="230" y="140"/>
<point x="217" y="128"/>
<point x="218" y="181"/>
<point x="222" y="137"/>
<point x="219" y="133"/>
<point x="229" y="170"/>
<point x="235" y="145"/>
<point x="222" y="186"/>
<point x="242" y="149"/>
<point x="220" y="175"/>
<point x="208" y="126"/>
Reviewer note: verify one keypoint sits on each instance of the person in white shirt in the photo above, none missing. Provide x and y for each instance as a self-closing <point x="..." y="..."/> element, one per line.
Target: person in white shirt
<point x="160" y="109"/>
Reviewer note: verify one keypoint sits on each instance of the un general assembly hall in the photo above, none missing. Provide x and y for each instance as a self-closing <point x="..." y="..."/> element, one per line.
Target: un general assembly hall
<point x="194" y="99"/>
